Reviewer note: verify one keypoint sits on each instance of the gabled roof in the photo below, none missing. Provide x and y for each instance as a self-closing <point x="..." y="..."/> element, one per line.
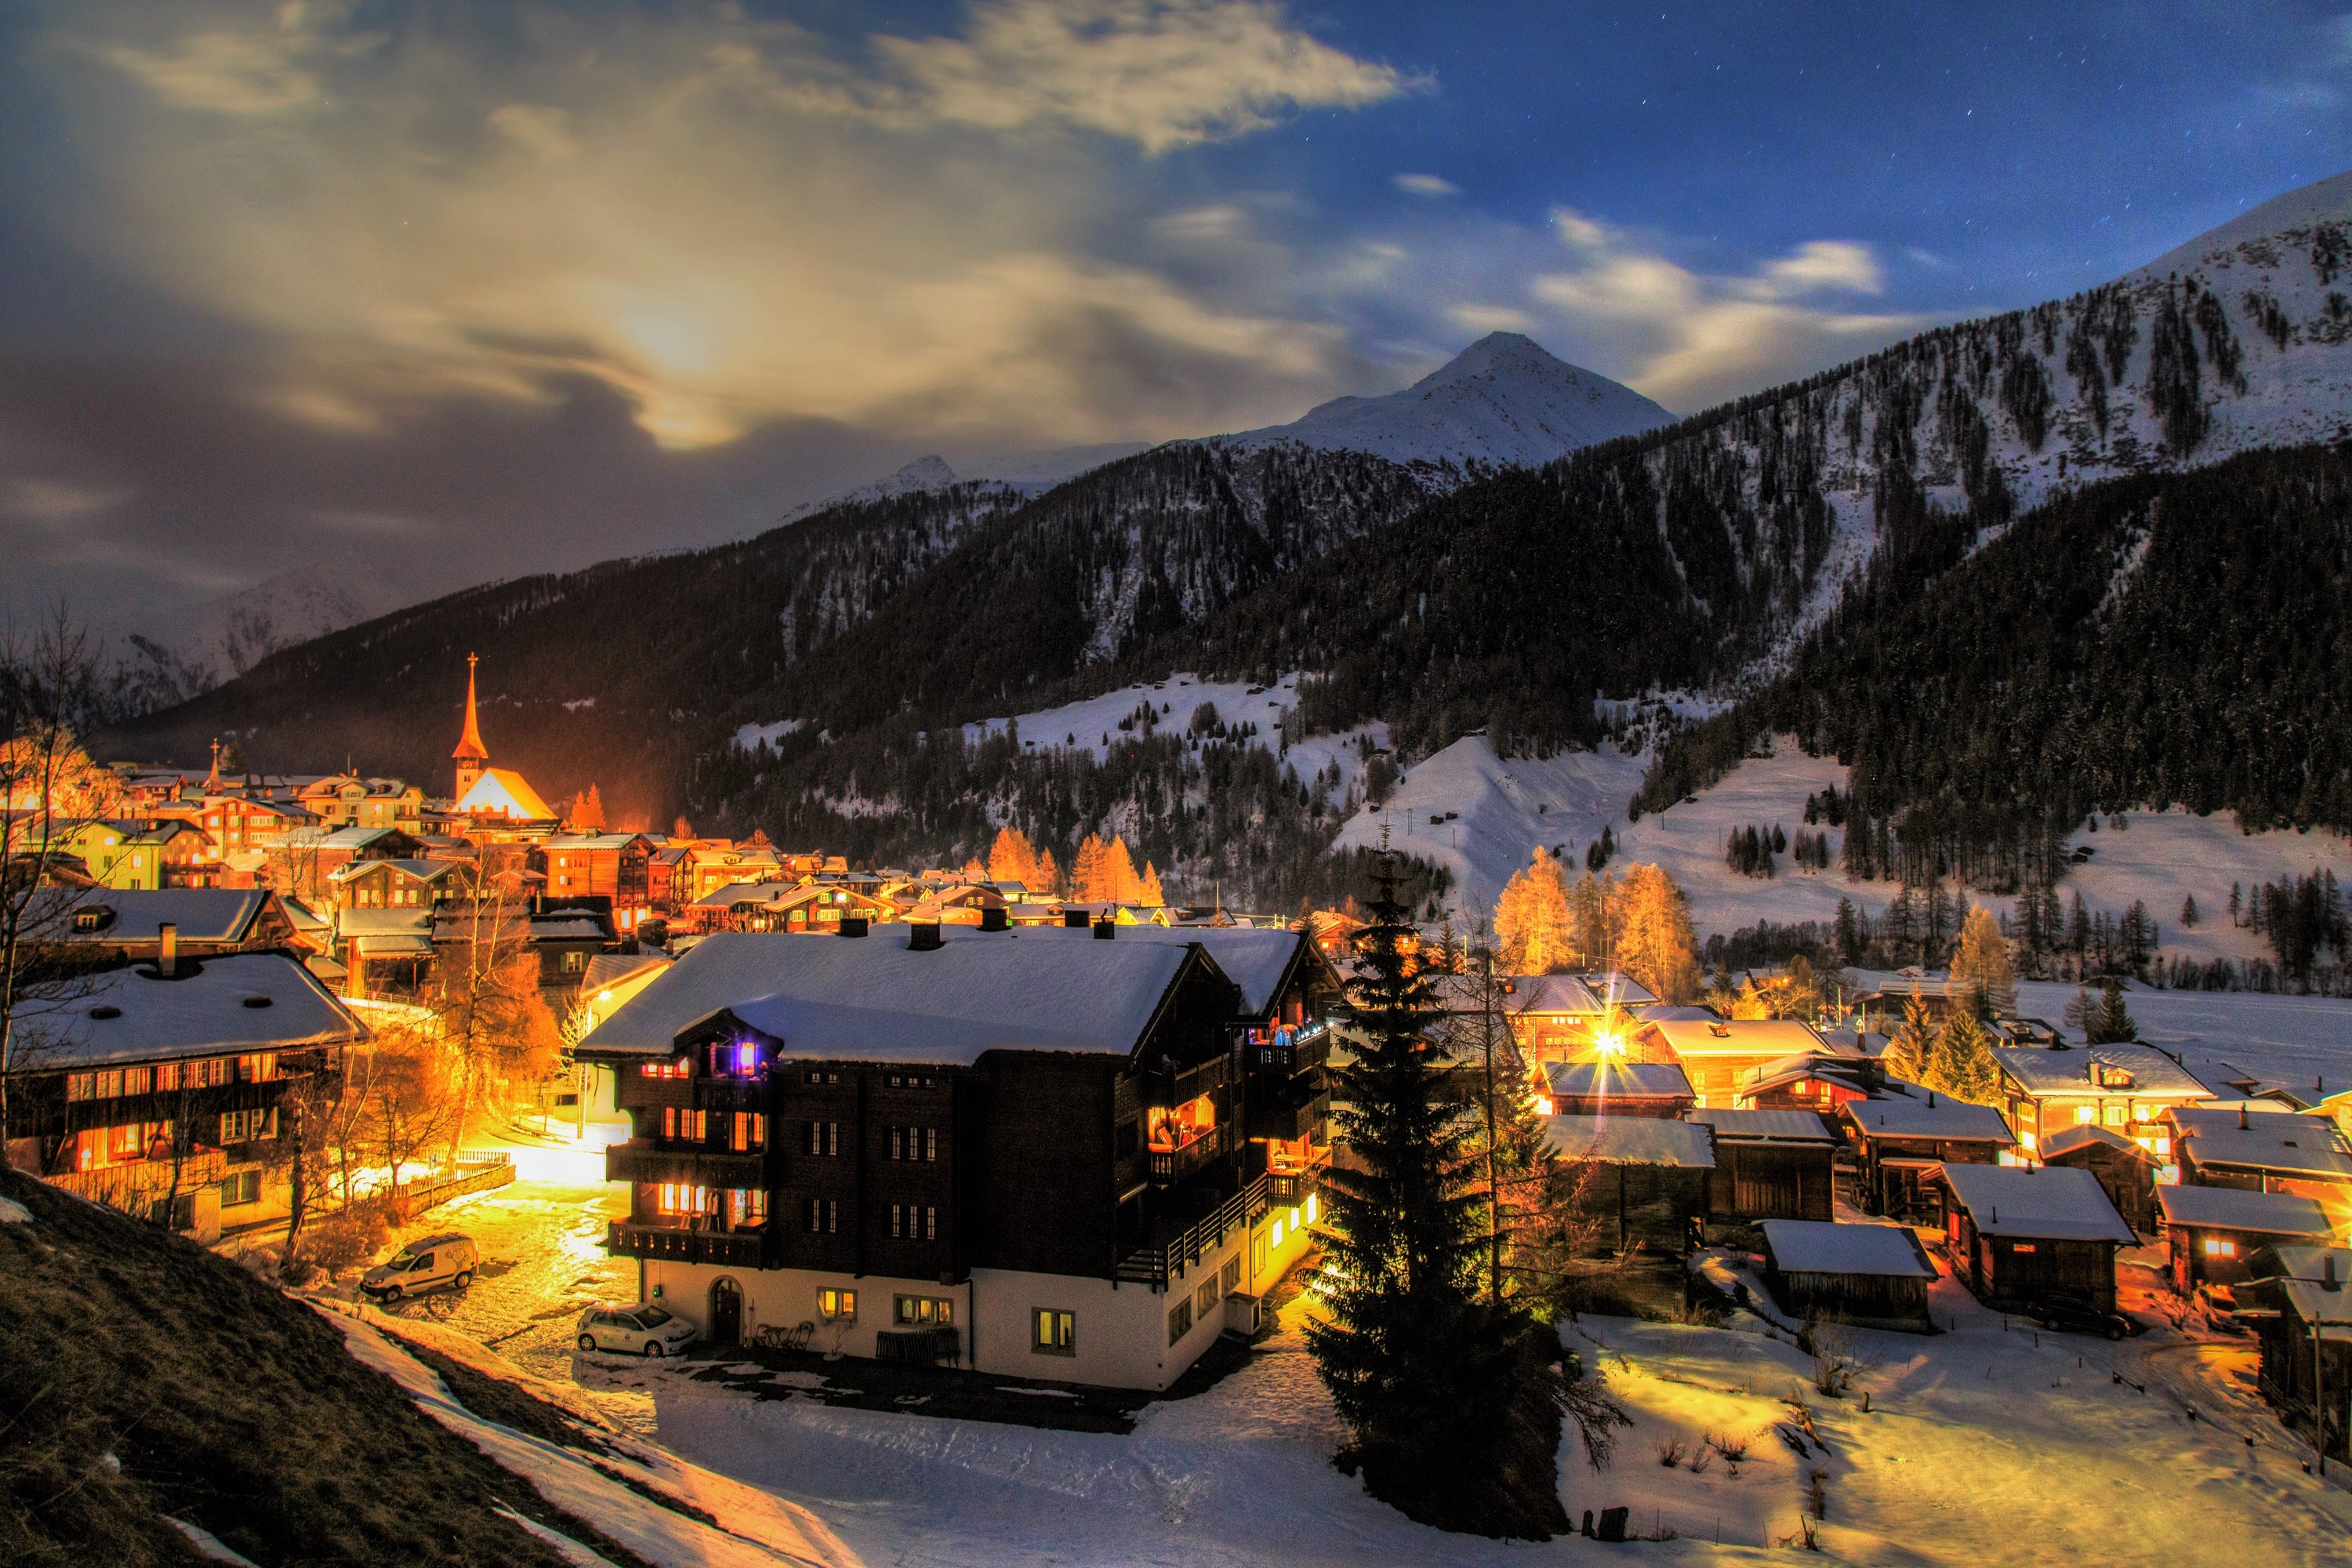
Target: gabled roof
<point x="2235" y="1208"/>
<point x="2043" y="1070"/>
<point x="1766" y="1126"/>
<point x="420" y="870"/>
<point x="1609" y="1081"/>
<point x="1736" y="1036"/>
<point x="873" y="998"/>
<point x="2307" y="1146"/>
<point x="1259" y="962"/>
<point x="1632" y="1141"/>
<point x="2053" y="1202"/>
<point x="2311" y="1262"/>
<point x="502" y="792"/>
<point x="1814" y="1247"/>
<point x="2058" y="1145"/>
<point x="202" y="914"/>
<point x="594" y="841"/>
<point x="384" y="922"/>
<point x="1914" y="1110"/>
<point x="606" y="970"/>
<point x="204" y="1011"/>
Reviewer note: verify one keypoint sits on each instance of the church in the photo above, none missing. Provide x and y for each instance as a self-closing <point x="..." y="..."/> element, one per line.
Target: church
<point x="485" y="792"/>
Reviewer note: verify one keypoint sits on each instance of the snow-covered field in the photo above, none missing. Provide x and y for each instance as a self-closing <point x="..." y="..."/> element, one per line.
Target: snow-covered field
<point x="2303" y="1042"/>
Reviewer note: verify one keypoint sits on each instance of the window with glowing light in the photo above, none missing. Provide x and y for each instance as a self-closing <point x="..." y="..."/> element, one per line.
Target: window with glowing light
<point x="1171" y="1130"/>
<point x="2216" y="1247"/>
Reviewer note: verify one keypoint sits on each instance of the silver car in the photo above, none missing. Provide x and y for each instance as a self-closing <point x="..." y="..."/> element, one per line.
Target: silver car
<point x="641" y="1328"/>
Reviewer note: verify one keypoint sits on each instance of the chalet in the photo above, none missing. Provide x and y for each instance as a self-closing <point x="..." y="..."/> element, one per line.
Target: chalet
<point x="662" y="881"/>
<point x="2019" y="1233"/>
<point x="343" y="800"/>
<point x="1716" y="1052"/>
<point x="1611" y="1088"/>
<point x="1903" y="1137"/>
<point x="183" y="854"/>
<point x="1819" y="1081"/>
<point x="2126" y="1089"/>
<point x="1019" y="1147"/>
<point x="161" y="1090"/>
<point x="2299" y="1304"/>
<point x="1883" y="1010"/>
<point x="2128" y="1171"/>
<point x="1557" y="1017"/>
<point x="384" y="953"/>
<point x="810" y="906"/>
<point x="567" y="934"/>
<point x="2212" y="1233"/>
<point x="104" y="848"/>
<point x="616" y="866"/>
<point x="710" y="865"/>
<point x="395" y="884"/>
<point x="1769" y="1164"/>
<point x="1644" y="1182"/>
<point x="117" y="925"/>
<point x="1875" y="1276"/>
<point x="2267" y="1151"/>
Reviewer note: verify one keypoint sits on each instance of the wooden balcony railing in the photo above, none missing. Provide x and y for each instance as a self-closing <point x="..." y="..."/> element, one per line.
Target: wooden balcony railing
<point x="701" y="1165"/>
<point x="1175" y="1164"/>
<point x="1155" y="1263"/>
<point x="742" y="1248"/>
<point x="1289" y="1123"/>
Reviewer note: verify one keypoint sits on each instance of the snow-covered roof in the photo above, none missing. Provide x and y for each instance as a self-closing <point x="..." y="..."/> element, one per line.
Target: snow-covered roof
<point x="1914" y="1110"/>
<point x="2317" y="1304"/>
<point x="352" y="923"/>
<point x="2312" y="1148"/>
<point x="1632" y="1141"/>
<point x="1766" y="1126"/>
<point x="1814" y="1247"/>
<point x="568" y="928"/>
<point x="2312" y="1262"/>
<point x="2087" y="1136"/>
<point x="607" y="841"/>
<point x="873" y="998"/>
<point x="202" y="1012"/>
<point x="1737" y="1036"/>
<point x="421" y="870"/>
<point x="2045" y="1070"/>
<point x="607" y="969"/>
<point x="1256" y="960"/>
<point x="1618" y="1080"/>
<point x="1675" y="1012"/>
<point x="2050" y="1202"/>
<point x="502" y="792"/>
<point x="2236" y="1208"/>
<point x="202" y="914"/>
<point x="735" y="893"/>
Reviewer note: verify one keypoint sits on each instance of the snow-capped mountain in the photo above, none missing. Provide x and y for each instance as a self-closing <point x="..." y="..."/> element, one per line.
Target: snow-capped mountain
<point x="1500" y="402"/>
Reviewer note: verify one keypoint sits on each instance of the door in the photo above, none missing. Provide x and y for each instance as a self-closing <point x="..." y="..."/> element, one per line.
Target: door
<point x="726" y="1312"/>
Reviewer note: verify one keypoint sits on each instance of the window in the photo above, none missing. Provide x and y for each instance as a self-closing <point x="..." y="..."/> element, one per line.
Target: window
<point x="2023" y="1247"/>
<point x="1180" y="1321"/>
<point x="2116" y="1110"/>
<point x="931" y="1143"/>
<point x="1257" y="1255"/>
<point x="2216" y="1247"/>
<point x="822" y="1078"/>
<point x="837" y="1306"/>
<point x="575" y="961"/>
<point x="692" y="1126"/>
<point x="821" y="1139"/>
<point x="2085" y="1115"/>
<point x="677" y="1068"/>
<point x="821" y="1216"/>
<point x="210" y="1073"/>
<point x="1206" y="1300"/>
<point x="1052" y="1331"/>
<point x="919" y="1310"/>
<point x="898" y="1213"/>
<point x="750" y="1132"/>
<point x="683" y="1197"/>
<point x="244" y="1187"/>
<point x="1230" y="1280"/>
<point x="930" y="1222"/>
<point x="81" y="1086"/>
<point x="261" y="1067"/>
<point x="245" y="1126"/>
<point x="747" y="1205"/>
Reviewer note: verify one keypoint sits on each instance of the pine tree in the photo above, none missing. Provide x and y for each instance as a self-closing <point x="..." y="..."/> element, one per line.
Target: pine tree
<point x="1453" y="1404"/>
<point x="2237" y="903"/>
<point x="1908" y="1051"/>
<point x="2189" y="915"/>
<point x="1531" y="918"/>
<point x="2111" y="1023"/>
<point x="1961" y="1064"/>
<point x="1851" y="941"/>
<point x="1981" y="976"/>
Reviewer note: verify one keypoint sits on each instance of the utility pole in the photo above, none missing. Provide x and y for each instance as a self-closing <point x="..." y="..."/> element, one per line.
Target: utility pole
<point x="1494" y="1192"/>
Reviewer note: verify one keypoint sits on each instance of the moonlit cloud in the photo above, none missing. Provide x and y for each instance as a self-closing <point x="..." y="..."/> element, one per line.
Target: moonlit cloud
<point x="1426" y="185"/>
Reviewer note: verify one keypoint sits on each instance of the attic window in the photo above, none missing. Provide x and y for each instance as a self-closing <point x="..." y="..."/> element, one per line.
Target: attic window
<point x="91" y="919"/>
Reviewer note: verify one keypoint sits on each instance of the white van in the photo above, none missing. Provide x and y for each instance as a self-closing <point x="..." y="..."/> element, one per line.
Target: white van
<point x="425" y="1264"/>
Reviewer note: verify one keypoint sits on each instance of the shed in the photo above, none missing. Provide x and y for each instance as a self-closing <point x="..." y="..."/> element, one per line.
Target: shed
<point x="1873" y="1275"/>
<point x="2020" y="1234"/>
<point x="2125" y="1167"/>
<point x="1769" y="1164"/>
<point x="1907" y="1133"/>
<point x="1609" y="1088"/>
<point x="1641" y="1182"/>
<point x="2299" y="1304"/>
<point x="2215" y="1232"/>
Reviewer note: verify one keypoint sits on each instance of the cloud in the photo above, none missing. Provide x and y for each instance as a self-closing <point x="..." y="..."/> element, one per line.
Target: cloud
<point x="1426" y="185"/>
<point x="1480" y="320"/>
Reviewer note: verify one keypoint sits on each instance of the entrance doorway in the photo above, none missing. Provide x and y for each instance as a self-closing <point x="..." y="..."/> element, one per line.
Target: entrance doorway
<point x="726" y="1312"/>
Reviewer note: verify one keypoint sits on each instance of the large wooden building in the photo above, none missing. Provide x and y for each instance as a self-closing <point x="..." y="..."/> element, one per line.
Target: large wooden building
<point x="1049" y="1152"/>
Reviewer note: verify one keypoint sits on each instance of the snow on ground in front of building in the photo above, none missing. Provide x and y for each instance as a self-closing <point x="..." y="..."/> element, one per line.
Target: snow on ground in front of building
<point x="1506" y="808"/>
<point x="1983" y="1445"/>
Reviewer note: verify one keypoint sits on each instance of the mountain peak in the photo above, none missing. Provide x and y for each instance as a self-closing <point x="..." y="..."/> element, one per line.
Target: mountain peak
<point x="1503" y="400"/>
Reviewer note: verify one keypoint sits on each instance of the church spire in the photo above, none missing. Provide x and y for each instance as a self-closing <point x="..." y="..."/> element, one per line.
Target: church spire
<point x="470" y="745"/>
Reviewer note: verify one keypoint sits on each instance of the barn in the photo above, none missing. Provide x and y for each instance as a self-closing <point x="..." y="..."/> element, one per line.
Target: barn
<point x="1875" y="1276"/>
<point x="2021" y="1235"/>
<point x="2215" y="1232"/>
<point x="1769" y="1164"/>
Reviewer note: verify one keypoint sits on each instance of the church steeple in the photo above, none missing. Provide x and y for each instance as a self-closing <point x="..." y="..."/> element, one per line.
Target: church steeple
<point x="471" y="754"/>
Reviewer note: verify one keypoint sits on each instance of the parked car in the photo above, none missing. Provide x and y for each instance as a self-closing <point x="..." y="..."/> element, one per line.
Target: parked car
<point x="2076" y="1315"/>
<point x="642" y="1328"/>
<point x="425" y="1264"/>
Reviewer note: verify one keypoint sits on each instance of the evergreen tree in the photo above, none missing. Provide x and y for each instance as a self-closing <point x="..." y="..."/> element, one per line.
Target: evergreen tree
<point x="2189" y="915"/>
<point x="1799" y="994"/>
<point x="1982" y="974"/>
<point x="1938" y="925"/>
<point x="1591" y="934"/>
<point x="1907" y="1049"/>
<point x="1453" y="1404"/>
<point x="2111" y="1022"/>
<point x="2237" y="903"/>
<point x="1961" y="1063"/>
<point x="1852" y="942"/>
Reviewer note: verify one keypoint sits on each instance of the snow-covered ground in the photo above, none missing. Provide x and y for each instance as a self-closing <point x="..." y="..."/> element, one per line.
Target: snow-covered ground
<point x="2303" y="1042"/>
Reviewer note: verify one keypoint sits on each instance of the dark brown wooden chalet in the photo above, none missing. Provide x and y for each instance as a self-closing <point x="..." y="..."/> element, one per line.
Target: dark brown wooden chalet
<point x="2126" y="1170"/>
<point x="1038" y="1140"/>
<point x="2021" y="1235"/>
<point x="2299" y="1304"/>
<point x="1769" y="1164"/>
<point x="1639" y="1182"/>
<point x="119" y="925"/>
<point x="1903" y="1135"/>
<point x="1607" y="1086"/>
<point x="1873" y="1275"/>
<point x="2212" y="1233"/>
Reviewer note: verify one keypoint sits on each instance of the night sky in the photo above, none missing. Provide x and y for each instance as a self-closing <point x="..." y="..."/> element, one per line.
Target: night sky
<point x="429" y="295"/>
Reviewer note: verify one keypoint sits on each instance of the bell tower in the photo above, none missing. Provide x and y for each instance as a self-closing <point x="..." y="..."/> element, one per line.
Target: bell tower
<point x="471" y="755"/>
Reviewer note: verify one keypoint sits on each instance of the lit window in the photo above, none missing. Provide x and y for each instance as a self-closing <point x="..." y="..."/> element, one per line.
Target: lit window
<point x="923" y="1310"/>
<point x="1052" y="1331"/>
<point x="1180" y="1321"/>
<point x="2085" y="1115"/>
<point x="837" y="1306"/>
<point x="2216" y="1247"/>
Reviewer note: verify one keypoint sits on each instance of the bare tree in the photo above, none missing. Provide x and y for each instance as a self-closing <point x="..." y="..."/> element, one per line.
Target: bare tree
<point x="485" y="996"/>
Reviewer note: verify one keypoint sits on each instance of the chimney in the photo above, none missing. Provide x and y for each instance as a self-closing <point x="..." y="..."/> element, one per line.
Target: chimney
<point x="1106" y="929"/>
<point x="1075" y="920"/>
<point x="991" y="917"/>
<point x="167" y="950"/>
<point x="923" y="936"/>
<point x="1931" y="1098"/>
<point x="2327" y="1279"/>
<point x="2242" y="1119"/>
<point x="853" y="925"/>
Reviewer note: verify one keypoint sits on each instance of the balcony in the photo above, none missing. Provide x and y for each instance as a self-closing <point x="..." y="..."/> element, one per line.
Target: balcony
<point x="1169" y="1165"/>
<point x="1289" y="1123"/>
<point x="1174" y="1086"/>
<point x="700" y="1165"/>
<point x="1174" y="1249"/>
<point x="1294" y="1186"/>
<point x="742" y="1248"/>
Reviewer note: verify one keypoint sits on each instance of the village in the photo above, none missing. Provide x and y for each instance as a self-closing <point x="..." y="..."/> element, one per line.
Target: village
<point x="591" y="1094"/>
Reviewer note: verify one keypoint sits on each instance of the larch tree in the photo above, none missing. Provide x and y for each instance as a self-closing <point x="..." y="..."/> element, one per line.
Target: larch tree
<point x="1453" y="1404"/>
<point x="1656" y="944"/>
<point x="1119" y="879"/>
<point x="1531" y="920"/>
<point x="1907" y="1048"/>
<point x="1088" y="872"/>
<point x="1011" y="859"/>
<point x="1981" y="976"/>
<point x="1591" y="929"/>
<point x="1147" y="892"/>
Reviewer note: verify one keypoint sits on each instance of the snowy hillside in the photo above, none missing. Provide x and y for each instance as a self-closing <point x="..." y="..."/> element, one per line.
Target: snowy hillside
<point x="930" y="473"/>
<point x="1502" y="809"/>
<point x="1501" y="401"/>
<point x="236" y="631"/>
<point x="1036" y="471"/>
